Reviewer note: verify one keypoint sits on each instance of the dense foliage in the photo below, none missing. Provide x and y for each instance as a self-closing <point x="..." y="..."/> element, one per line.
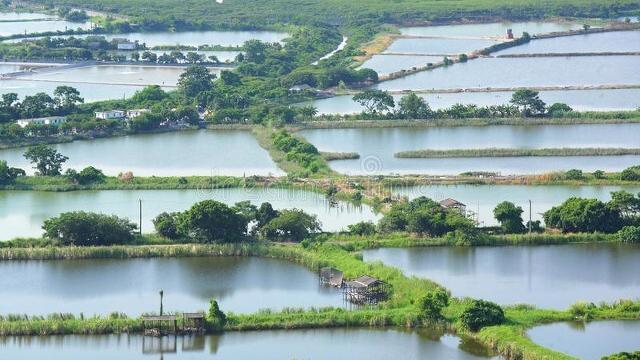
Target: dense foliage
<point x="510" y="217"/>
<point x="89" y="229"/>
<point x="432" y="304"/>
<point x="482" y="313"/>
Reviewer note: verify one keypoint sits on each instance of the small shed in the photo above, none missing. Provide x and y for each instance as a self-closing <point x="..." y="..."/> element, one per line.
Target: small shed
<point x="365" y="290"/>
<point x="455" y="205"/>
<point x="331" y="277"/>
<point x="193" y="322"/>
<point x="158" y="325"/>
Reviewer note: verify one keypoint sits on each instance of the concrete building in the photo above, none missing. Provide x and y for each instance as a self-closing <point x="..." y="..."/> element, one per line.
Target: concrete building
<point x="110" y="115"/>
<point x="50" y="120"/>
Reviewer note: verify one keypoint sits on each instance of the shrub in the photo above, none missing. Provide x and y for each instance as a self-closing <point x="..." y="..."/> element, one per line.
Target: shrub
<point x="623" y="356"/>
<point x="88" y="175"/>
<point x="290" y="225"/>
<point x="598" y="174"/>
<point x="362" y="228"/>
<point x="9" y="174"/>
<point x="573" y="174"/>
<point x="629" y="234"/>
<point x="85" y="229"/>
<point x="482" y="313"/>
<point x="216" y="319"/>
<point x="212" y="220"/>
<point x="166" y="224"/>
<point x="432" y="303"/>
<point x="631" y="173"/>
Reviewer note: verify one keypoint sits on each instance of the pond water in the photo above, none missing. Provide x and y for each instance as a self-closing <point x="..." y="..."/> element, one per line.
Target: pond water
<point x="490" y="29"/>
<point x="437" y="46"/>
<point x="482" y="199"/>
<point x="194" y="38"/>
<point x="377" y="147"/>
<point x="544" y="276"/>
<point x="386" y="64"/>
<point x="615" y="41"/>
<point x="589" y="341"/>
<point x="101" y="286"/>
<point x="169" y="154"/>
<point x="272" y="344"/>
<point x="582" y="100"/>
<point x="524" y="72"/>
<point x="116" y="74"/>
<point x="22" y="16"/>
<point x="23" y="213"/>
<point x="89" y="91"/>
<point x="27" y="27"/>
<point x="223" y="56"/>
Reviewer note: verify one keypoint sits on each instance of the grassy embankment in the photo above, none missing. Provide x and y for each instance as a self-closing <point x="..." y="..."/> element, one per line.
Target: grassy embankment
<point x="503" y="152"/>
<point x="400" y="310"/>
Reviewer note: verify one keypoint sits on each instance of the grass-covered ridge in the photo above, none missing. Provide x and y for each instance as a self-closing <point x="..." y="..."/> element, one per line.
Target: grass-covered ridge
<point x="503" y="152"/>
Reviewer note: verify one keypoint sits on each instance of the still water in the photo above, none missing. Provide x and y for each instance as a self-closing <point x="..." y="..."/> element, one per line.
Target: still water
<point x="482" y="199"/>
<point x="169" y="154"/>
<point x="544" y="276"/>
<point x="589" y="341"/>
<point x="22" y="16"/>
<point x="615" y="41"/>
<point x="23" y="213"/>
<point x="581" y="100"/>
<point x="268" y="345"/>
<point x="524" y="72"/>
<point x="437" y="46"/>
<point x="378" y="146"/>
<point x="491" y="29"/>
<point x="386" y="64"/>
<point x="101" y="286"/>
<point x="26" y="27"/>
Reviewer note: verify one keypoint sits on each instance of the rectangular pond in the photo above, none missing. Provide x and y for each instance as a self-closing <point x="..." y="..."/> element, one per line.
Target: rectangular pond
<point x="131" y="286"/>
<point x="22" y="213"/>
<point x="377" y="147"/>
<point x="347" y="344"/>
<point x="386" y="64"/>
<point x="205" y="152"/>
<point x="27" y="27"/>
<point x="24" y="16"/>
<point x="591" y="340"/>
<point x="524" y="72"/>
<point x="437" y="46"/>
<point x="115" y="74"/>
<point x="482" y="199"/>
<point x="89" y="91"/>
<point x="490" y="29"/>
<point x="614" y="41"/>
<point x="544" y="276"/>
<point x="581" y="100"/>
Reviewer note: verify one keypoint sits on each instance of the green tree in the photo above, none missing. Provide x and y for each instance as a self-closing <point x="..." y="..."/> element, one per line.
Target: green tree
<point x="9" y="174"/>
<point x="510" y="217"/>
<point x="559" y="109"/>
<point x="626" y="203"/>
<point x="67" y="99"/>
<point x="89" y="229"/>
<point x="374" y="101"/>
<point x="47" y="160"/>
<point x="216" y="319"/>
<point x="211" y="220"/>
<point x="629" y="234"/>
<point x="432" y="304"/>
<point x="584" y="215"/>
<point x="290" y="225"/>
<point x="631" y="173"/>
<point x="482" y="313"/>
<point x="624" y="355"/>
<point x="574" y="174"/>
<point x="529" y="103"/>
<point x="414" y="107"/>
<point x="362" y="228"/>
<point x="195" y="79"/>
<point x="166" y="224"/>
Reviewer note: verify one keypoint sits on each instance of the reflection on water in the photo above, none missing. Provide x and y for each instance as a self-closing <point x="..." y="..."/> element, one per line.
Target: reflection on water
<point x="545" y="276"/>
<point x="591" y="340"/>
<point x="305" y="344"/>
<point x="101" y="286"/>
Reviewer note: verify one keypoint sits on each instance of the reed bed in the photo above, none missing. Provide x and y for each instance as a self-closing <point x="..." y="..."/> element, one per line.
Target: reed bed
<point x="502" y="152"/>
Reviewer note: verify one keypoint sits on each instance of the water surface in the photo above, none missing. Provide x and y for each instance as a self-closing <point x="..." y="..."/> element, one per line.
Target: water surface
<point x="524" y="72"/>
<point x="272" y="344"/>
<point x="490" y="29"/>
<point x="614" y="41"/>
<point x="89" y="91"/>
<point x="168" y="154"/>
<point x="544" y="276"/>
<point x="589" y="341"/>
<point x="581" y="100"/>
<point x="22" y="213"/>
<point x="101" y="286"/>
<point x="22" y="16"/>
<point x="27" y="27"/>
<point x="377" y="147"/>
<point x="482" y="199"/>
<point x="386" y="64"/>
<point x="437" y="46"/>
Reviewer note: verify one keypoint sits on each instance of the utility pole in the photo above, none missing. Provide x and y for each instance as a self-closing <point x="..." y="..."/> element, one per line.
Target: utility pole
<point x="530" y="224"/>
<point x="140" y="217"/>
<point x="161" y="294"/>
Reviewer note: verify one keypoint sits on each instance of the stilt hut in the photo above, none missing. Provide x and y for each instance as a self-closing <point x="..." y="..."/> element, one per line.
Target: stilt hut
<point x="331" y="277"/>
<point x="365" y="290"/>
<point x="159" y="325"/>
<point x="193" y="322"/>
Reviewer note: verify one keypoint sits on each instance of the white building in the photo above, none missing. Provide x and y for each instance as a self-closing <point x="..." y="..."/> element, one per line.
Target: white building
<point x="126" y="46"/>
<point x="110" y="115"/>
<point x="134" y="113"/>
<point x="50" y="120"/>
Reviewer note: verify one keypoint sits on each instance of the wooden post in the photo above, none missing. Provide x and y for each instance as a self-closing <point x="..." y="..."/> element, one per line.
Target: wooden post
<point x="161" y="294"/>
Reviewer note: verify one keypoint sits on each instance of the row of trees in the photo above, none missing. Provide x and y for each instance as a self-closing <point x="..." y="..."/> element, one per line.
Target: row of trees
<point x="525" y="103"/>
<point x="65" y="101"/>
